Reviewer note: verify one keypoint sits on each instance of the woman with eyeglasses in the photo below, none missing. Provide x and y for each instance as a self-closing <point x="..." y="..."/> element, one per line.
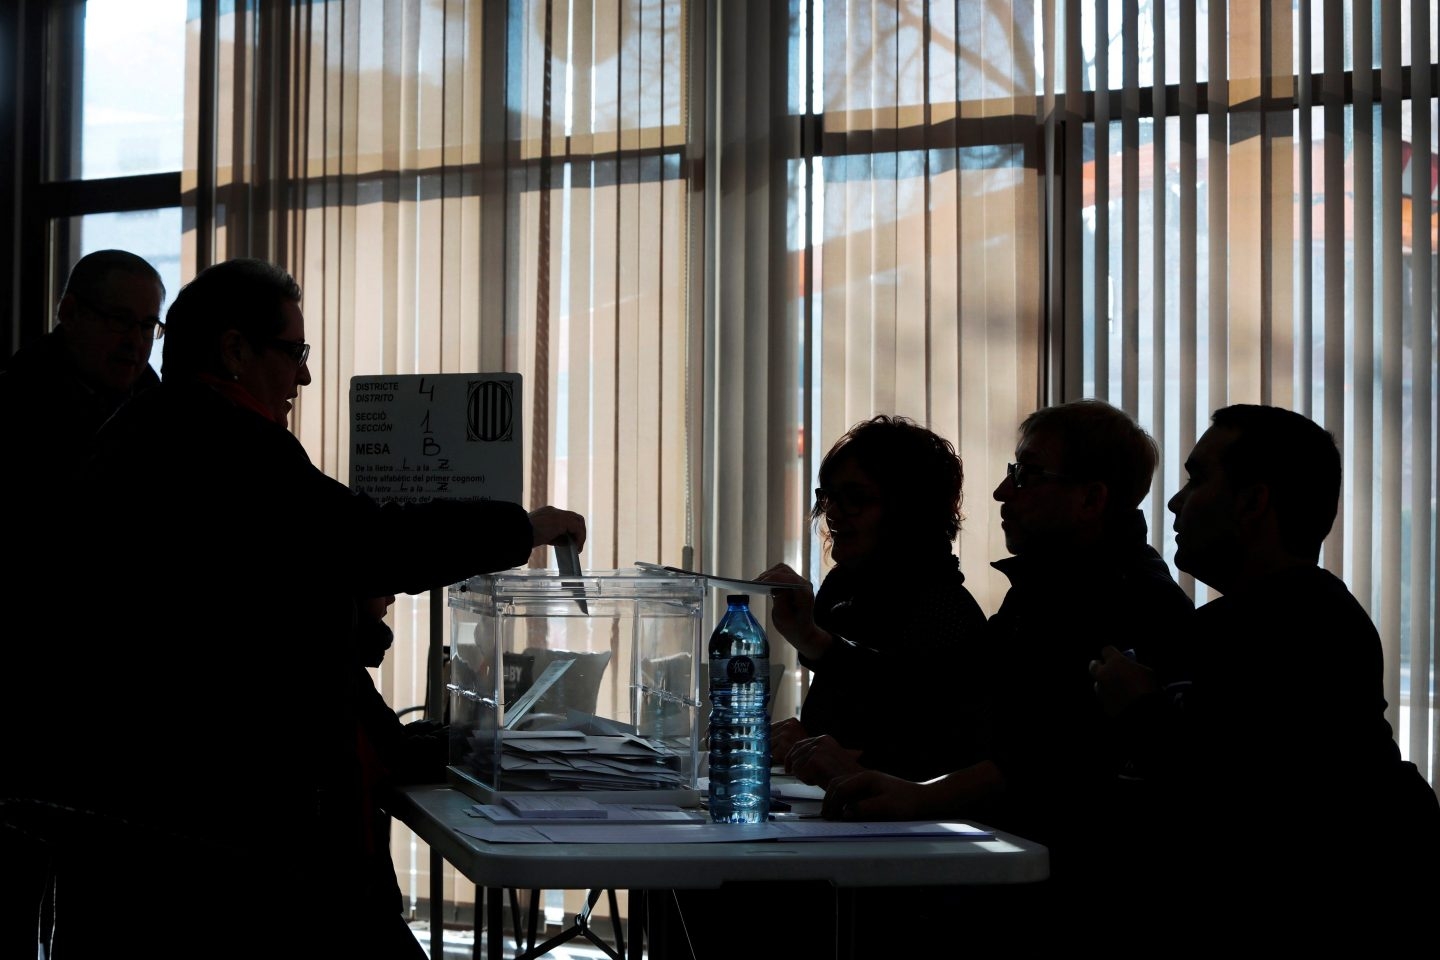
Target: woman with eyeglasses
<point x="218" y="675"/>
<point x="893" y="639"/>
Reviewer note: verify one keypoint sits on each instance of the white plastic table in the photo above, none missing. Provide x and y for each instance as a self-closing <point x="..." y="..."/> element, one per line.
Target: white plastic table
<point x="435" y="812"/>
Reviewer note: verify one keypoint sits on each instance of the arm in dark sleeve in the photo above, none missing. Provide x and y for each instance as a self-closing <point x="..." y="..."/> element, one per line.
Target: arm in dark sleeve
<point x="910" y="703"/>
<point x="409" y="548"/>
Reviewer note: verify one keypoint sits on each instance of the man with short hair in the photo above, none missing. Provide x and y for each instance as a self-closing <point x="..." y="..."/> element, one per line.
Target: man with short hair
<point x="56" y="391"/>
<point x="1278" y="746"/>
<point x="54" y="395"/>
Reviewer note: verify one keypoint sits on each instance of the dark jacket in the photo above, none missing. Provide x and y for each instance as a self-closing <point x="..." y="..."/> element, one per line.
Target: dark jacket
<point x="1280" y="734"/>
<point x="203" y="678"/>
<point x="1061" y="756"/>
<point x="902" y="682"/>
<point x="50" y="417"/>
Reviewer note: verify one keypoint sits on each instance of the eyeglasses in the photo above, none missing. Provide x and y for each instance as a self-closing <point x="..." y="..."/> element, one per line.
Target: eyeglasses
<point x="298" y="350"/>
<point x="1024" y="474"/>
<point x="120" y="322"/>
<point x="847" y="501"/>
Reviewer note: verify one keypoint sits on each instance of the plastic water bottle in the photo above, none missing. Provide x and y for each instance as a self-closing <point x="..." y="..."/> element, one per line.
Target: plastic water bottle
<point x="739" y="724"/>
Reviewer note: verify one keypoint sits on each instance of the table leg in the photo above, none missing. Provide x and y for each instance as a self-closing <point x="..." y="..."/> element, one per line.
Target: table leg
<point x="495" y="922"/>
<point x="639" y="919"/>
<point x="844" y="923"/>
<point x="437" y="906"/>
<point x="478" y="927"/>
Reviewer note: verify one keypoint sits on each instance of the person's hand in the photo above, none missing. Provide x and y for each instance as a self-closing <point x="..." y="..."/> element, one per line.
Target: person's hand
<point x="820" y="760"/>
<point x="793" y="611"/>
<point x="426" y="728"/>
<point x="1120" y="681"/>
<point x="784" y="734"/>
<point x="551" y="525"/>
<point x="872" y="795"/>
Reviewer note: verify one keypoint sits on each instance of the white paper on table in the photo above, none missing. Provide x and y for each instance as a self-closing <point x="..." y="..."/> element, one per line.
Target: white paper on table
<point x="857" y="830"/>
<point x="797" y="791"/>
<point x="492" y="832"/>
<point x="602" y="832"/>
<point x="613" y="813"/>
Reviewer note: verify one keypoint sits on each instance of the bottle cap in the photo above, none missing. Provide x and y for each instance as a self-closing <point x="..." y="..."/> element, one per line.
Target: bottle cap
<point x="738" y="598"/>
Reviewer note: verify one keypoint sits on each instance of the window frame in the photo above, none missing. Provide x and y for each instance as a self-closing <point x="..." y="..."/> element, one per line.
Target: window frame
<point x="46" y="133"/>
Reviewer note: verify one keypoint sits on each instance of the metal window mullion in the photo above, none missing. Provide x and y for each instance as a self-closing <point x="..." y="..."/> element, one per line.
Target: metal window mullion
<point x="1101" y="267"/>
<point x="206" y="125"/>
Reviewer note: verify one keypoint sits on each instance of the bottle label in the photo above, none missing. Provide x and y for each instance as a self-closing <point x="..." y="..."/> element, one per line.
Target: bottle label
<point x="741" y="669"/>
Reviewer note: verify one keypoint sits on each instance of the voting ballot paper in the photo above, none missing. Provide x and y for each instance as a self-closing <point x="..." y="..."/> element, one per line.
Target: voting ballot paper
<point x="567" y="558"/>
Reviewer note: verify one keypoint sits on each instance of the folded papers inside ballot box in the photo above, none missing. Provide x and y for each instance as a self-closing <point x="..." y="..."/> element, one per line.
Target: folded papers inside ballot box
<point x="585" y="685"/>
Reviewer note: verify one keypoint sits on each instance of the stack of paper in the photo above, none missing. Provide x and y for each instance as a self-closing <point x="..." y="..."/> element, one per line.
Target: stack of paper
<point x="554" y="807"/>
<point x="575" y="760"/>
<point x="534" y="810"/>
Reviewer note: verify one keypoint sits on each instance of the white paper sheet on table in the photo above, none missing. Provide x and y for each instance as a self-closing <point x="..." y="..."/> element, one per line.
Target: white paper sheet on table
<point x="613" y="813"/>
<point x="797" y="791"/>
<point x="602" y="832"/>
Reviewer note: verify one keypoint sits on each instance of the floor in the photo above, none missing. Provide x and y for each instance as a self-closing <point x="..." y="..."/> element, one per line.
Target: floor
<point x="460" y="944"/>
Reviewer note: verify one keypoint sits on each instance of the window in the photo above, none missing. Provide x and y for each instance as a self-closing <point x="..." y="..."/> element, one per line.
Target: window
<point x="714" y="236"/>
<point x="107" y="168"/>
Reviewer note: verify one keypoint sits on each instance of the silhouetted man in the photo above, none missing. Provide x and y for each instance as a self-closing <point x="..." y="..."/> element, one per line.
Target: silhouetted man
<point x="1290" y="797"/>
<point x="57" y="391"/>
<point x="54" y="395"/>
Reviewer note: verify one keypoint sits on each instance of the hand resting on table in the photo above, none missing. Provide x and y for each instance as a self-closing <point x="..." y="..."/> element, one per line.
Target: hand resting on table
<point x="819" y="760"/>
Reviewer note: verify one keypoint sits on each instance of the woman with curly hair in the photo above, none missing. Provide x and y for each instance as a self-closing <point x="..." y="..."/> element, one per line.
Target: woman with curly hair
<point x="893" y="638"/>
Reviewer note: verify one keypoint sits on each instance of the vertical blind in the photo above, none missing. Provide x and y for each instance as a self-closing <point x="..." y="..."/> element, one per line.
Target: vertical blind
<point x="713" y="235"/>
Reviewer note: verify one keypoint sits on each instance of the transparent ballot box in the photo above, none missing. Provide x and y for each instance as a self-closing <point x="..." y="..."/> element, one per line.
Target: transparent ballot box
<point x="581" y="683"/>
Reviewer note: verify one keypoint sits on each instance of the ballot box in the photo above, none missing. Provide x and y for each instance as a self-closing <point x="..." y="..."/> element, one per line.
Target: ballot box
<point x="582" y="683"/>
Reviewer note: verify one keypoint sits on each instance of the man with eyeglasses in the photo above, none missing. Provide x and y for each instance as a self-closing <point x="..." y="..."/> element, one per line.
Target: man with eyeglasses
<point x="217" y="724"/>
<point x="59" y="389"/>
<point x="1082" y="577"/>
<point x="55" y="393"/>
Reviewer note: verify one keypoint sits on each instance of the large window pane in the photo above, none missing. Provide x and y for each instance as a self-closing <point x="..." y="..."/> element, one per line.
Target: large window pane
<point x="134" y="87"/>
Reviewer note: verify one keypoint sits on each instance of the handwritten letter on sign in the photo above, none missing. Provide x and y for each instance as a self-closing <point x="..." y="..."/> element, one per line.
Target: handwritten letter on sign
<point x="453" y="436"/>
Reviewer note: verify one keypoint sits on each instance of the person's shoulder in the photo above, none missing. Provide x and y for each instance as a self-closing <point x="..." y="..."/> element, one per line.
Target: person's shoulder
<point x="40" y="357"/>
<point x="147" y="381"/>
<point x="936" y="577"/>
<point x="1305" y="601"/>
<point x="1318" y="595"/>
<point x="959" y="596"/>
<point x="40" y="368"/>
<point x="1147" y="573"/>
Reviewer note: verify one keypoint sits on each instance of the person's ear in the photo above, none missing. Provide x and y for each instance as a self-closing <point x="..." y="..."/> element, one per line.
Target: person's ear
<point x="1252" y="505"/>
<point x="235" y="353"/>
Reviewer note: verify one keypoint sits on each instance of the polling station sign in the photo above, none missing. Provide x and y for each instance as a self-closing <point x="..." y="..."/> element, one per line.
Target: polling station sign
<point x="418" y="437"/>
